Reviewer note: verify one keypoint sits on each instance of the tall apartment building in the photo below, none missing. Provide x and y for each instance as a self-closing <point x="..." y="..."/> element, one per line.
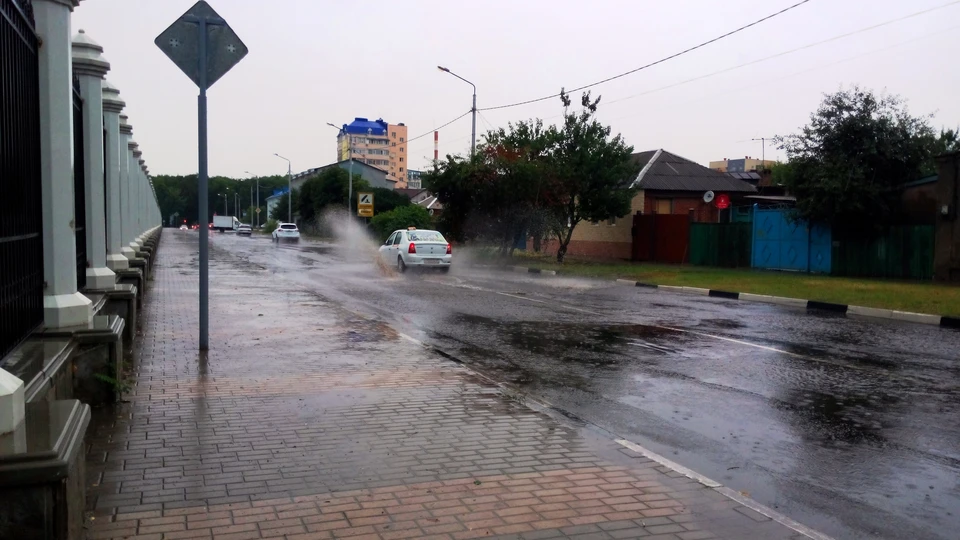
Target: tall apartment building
<point x="377" y="143"/>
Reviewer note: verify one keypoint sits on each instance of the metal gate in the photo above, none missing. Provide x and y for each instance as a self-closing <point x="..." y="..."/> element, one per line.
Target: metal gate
<point x="79" y="187"/>
<point x="781" y="243"/>
<point x="661" y="238"/>
<point x="21" y="225"/>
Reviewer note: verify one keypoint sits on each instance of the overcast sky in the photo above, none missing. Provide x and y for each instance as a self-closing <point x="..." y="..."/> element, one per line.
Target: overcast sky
<point x="313" y="62"/>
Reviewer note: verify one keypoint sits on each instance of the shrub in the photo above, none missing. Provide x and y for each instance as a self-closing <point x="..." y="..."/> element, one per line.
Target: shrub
<point x="400" y="218"/>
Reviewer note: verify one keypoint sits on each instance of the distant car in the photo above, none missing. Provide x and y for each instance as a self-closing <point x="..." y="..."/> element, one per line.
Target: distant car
<point x="195" y="227"/>
<point x="286" y="232"/>
<point x="184" y="228"/>
<point x="244" y="230"/>
<point x="420" y="248"/>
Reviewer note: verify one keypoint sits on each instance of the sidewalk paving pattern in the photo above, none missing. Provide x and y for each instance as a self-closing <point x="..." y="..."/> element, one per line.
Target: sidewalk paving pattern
<point x="305" y="421"/>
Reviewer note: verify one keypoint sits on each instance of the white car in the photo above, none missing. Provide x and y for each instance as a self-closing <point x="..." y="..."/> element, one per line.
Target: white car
<point x="244" y="230"/>
<point x="184" y="228"/>
<point x="421" y="248"/>
<point x="286" y="231"/>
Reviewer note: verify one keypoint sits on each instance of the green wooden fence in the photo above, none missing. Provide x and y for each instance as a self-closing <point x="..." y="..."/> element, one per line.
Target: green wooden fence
<point x="720" y="244"/>
<point x="903" y="252"/>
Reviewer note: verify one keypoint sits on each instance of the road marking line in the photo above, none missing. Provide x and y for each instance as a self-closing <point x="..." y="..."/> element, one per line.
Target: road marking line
<point x="725" y="491"/>
<point x="733" y="340"/>
<point x="521" y="297"/>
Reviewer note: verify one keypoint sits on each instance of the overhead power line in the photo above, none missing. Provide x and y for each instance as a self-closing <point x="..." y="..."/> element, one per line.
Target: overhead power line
<point x="443" y="126"/>
<point x="783" y="53"/>
<point x="660" y="61"/>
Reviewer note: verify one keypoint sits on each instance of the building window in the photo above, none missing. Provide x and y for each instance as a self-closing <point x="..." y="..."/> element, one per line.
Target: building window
<point x="394" y="134"/>
<point x="663" y="206"/>
<point x="401" y="139"/>
<point x="401" y="160"/>
<point x="401" y="169"/>
<point x="393" y="144"/>
<point x="401" y="149"/>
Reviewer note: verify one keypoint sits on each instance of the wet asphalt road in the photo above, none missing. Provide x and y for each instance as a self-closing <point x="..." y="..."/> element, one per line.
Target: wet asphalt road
<point x="851" y="427"/>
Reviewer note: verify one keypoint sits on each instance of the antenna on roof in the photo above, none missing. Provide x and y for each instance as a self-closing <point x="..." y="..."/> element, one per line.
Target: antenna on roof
<point x="763" y="146"/>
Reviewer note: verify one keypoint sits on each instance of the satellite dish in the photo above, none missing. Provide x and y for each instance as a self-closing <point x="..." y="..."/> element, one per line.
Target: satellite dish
<point x="708" y="197"/>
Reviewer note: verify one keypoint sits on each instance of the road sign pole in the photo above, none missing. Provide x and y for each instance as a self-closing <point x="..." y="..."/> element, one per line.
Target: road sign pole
<point x="202" y="189"/>
<point x="225" y="49"/>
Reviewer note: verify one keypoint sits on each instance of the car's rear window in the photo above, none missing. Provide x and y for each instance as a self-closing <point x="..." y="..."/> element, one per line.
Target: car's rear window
<point x="289" y="227"/>
<point x="425" y="236"/>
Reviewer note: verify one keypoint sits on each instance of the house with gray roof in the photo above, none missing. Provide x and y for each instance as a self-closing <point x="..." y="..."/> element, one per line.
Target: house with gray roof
<point x="667" y="184"/>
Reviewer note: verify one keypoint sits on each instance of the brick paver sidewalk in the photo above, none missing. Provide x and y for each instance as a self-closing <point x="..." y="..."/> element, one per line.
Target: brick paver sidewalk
<point x="306" y="421"/>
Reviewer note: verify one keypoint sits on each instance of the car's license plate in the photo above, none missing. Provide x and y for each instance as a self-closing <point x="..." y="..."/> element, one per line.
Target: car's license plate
<point x="431" y="261"/>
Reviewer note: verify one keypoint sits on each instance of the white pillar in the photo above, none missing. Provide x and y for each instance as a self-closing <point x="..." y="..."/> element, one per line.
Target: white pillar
<point x="112" y="105"/>
<point x="11" y="402"/>
<point x="126" y="230"/>
<point x="90" y="67"/>
<point x="140" y="192"/>
<point x="132" y="182"/>
<point x="62" y="304"/>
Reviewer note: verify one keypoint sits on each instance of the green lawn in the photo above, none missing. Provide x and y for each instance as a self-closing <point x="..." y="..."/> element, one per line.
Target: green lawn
<point x="919" y="297"/>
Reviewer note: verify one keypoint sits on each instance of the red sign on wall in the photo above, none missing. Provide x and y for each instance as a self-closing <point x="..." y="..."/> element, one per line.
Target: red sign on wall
<point x="722" y="201"/>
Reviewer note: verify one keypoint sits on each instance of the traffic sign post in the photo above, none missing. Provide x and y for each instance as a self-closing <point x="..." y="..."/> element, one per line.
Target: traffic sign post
<point x="365" y="204"/>
<point x="204" y="47"/>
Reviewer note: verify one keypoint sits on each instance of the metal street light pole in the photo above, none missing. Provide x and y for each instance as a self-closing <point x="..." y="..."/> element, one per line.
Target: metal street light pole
<point x="289" y="189"/>
<point x="473" y="128"/>
<point x="350" y="173"/>
<point x="257" y="207"/>
<point x="251" y="198"/>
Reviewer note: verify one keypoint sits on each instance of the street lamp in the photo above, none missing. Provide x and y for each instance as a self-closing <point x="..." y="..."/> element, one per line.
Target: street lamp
<point x="251" y="199"/>
<point x="289" y="189"/>
<point x="350" y="153"/>
<point x="473" y="129"/>
<point x="226" y="210"/>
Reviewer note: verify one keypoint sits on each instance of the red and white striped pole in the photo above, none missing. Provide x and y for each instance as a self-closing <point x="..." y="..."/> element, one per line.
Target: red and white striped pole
<point x="436" y="147"/>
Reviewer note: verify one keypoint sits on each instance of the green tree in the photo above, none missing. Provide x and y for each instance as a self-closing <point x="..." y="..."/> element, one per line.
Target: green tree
<point x="495" y="194"/>
<point x="593" y="172"/>
<point x="844" y="166"/>
<point x="401" y="217"/>
<point x="386" y="200"/>
<point x="280" y="210"/>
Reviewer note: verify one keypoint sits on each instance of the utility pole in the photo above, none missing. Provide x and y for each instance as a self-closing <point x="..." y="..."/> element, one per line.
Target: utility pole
<point x="350" y="155"/>
<point x="473" y="128"/>
<point x="289" y="189"/>
<point x="763" y="147"/>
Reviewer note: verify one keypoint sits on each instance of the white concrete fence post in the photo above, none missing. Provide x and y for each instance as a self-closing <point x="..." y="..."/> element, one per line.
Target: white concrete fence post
<point x="112" y="106"/>
<point x="90" y="67"/>
<point x="63" y="305"/>
<point x="140" y="192"/>
<point x="133" y="184"/>
<point x="126" y="135"/>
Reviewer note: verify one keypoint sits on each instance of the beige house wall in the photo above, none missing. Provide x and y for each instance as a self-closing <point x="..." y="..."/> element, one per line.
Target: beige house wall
<point x="605" y="231"/>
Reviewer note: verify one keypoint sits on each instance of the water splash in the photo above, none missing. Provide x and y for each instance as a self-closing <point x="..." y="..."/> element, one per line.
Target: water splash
<point x="355" y="241"/>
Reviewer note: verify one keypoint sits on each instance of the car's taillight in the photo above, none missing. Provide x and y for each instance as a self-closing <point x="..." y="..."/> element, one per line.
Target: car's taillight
<point x="412" y="248"/>
<point x="449" y="249"/>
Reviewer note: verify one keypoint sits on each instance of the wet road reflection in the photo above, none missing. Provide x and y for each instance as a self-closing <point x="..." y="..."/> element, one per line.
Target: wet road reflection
<point x="851" y="427"/>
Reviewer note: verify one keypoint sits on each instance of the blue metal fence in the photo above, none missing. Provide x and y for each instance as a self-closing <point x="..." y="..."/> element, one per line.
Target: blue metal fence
<point x="784" y="244"/>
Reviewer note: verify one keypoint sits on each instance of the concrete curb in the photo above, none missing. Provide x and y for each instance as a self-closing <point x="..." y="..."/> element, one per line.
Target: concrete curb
<point x="942" y="321"/>
<point x="725" y="491"/>
<point x="856" y="311"/>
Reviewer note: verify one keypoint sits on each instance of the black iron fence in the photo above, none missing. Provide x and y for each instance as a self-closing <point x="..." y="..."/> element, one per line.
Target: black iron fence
<point x="79" y="195"/>
<point x="21" y="226"/>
